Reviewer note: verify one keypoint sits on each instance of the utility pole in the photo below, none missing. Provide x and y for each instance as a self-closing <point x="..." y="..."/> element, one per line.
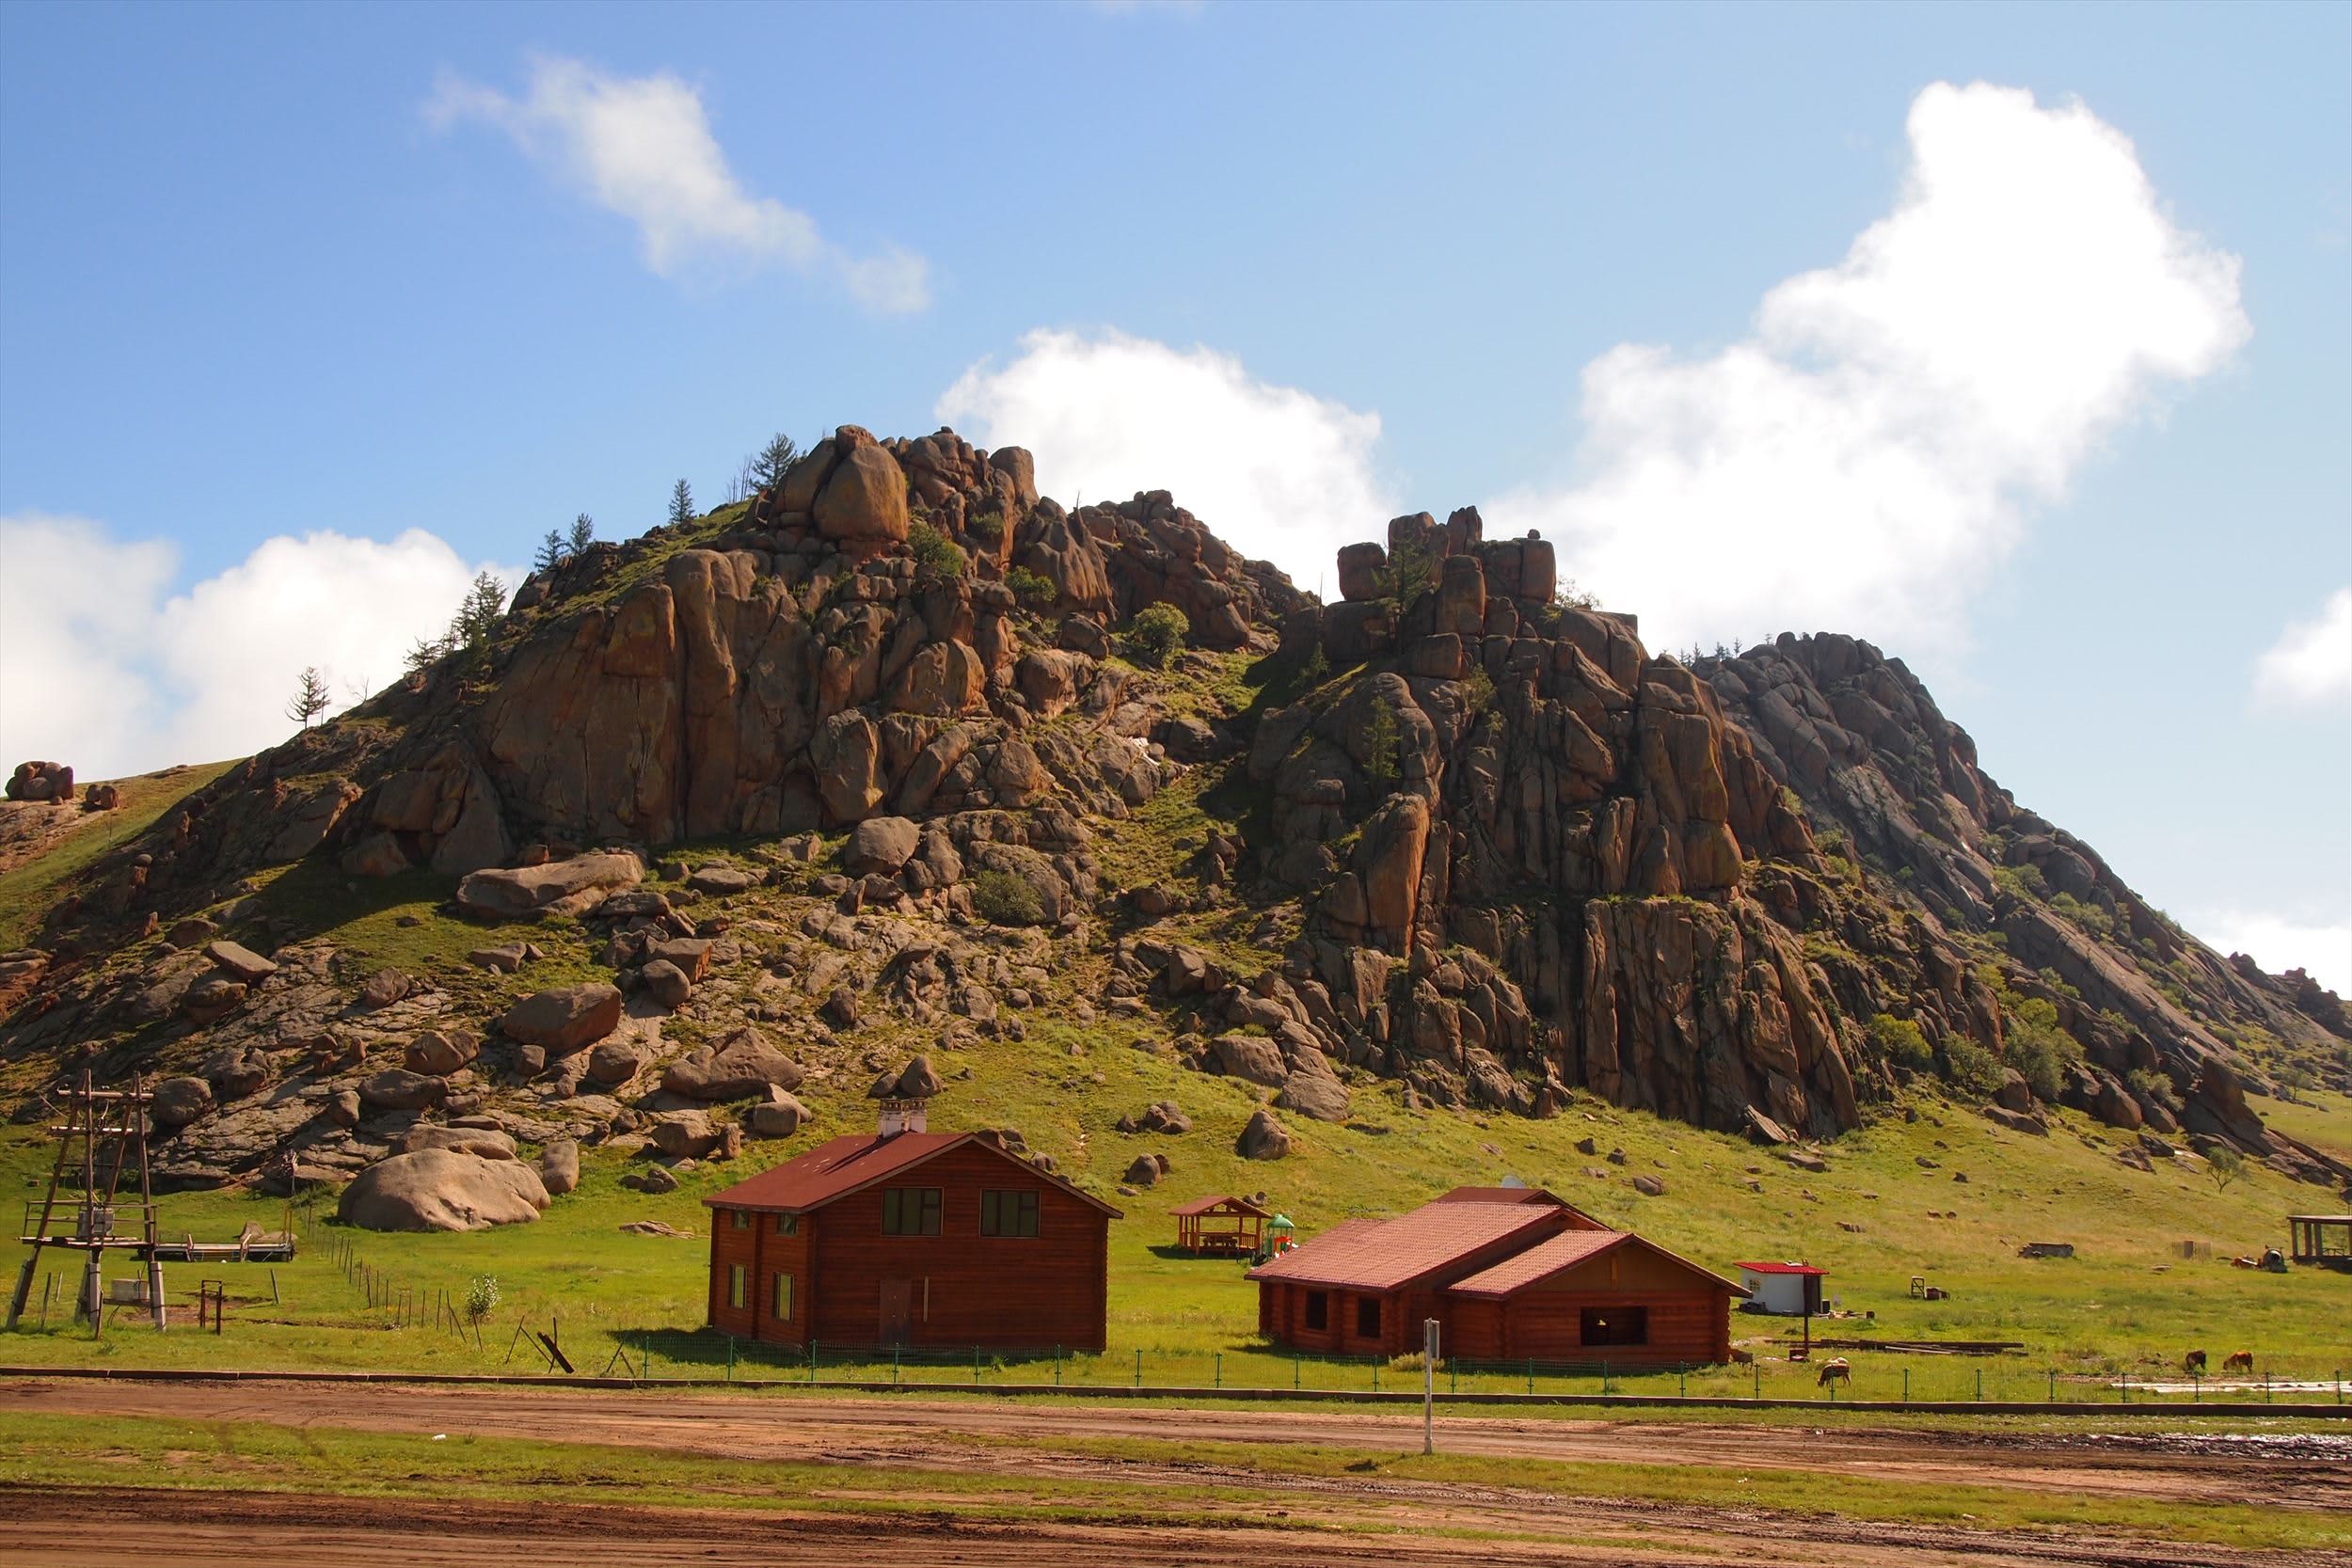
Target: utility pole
<point x="1429" y="1385"/>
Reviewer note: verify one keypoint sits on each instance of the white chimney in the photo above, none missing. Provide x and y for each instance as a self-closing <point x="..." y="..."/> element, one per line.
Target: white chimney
<point x="902" y="1115"/>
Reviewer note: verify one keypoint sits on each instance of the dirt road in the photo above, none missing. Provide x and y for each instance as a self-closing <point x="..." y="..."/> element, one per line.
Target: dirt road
<point x="1014" y="1440"/>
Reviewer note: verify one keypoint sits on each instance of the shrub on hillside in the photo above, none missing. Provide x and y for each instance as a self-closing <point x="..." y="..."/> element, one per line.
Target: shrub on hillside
<point x="1034" y="589"/>
<point x="934" y="552"/>
<point x="1970" y="1068"/>
<point x="2153" y="1087"/>
<point x="1156" y="635"/>
<point x="1002" y="899"/>
<point x="1900" y="1041"/>
<point x="2038" y="1047"/>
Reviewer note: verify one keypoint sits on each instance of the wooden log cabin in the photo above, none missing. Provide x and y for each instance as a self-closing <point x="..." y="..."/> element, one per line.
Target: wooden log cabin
<point x="910" y="1237"/>
<point x="1509" y="1274"/>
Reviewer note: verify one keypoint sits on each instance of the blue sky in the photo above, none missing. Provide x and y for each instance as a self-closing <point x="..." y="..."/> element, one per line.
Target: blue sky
<point x="311" y="311"/>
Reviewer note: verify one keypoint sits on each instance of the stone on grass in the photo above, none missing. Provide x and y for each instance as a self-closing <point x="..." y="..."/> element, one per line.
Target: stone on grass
<point x="439" y="1053"/>
<point x="1263" y="1138"/>
<point x="744" y="1065"/>
<point x="558" y="1168"/>
<point x="481" y="1143"/>
<point x="528" y="892"/>
<point x="399" y="1089"/>
<point x="437" y="1189"/>
<point x="565" y="1019"/>
<point x="666" y="983"/>
<point x="181" y="1101"/>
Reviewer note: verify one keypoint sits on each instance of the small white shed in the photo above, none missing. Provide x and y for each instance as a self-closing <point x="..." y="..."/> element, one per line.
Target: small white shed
<point x="1790" y="1290"/>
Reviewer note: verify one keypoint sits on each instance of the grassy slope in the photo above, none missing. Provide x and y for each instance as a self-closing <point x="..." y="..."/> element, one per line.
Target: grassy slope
<point x="1875" y="1219"/>
<point x="27" y="892"/>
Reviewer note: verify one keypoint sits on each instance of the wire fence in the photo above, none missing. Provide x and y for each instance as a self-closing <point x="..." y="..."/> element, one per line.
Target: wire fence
<point x="443" y="1333"/>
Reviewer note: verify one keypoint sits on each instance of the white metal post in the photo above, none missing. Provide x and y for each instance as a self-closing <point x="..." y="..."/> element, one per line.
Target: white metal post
<point x="1428" y="1385"/>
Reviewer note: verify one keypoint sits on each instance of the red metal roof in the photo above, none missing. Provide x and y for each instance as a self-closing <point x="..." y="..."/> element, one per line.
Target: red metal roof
<point x="1209" y="1205"/>
<point x="1497" y="1194"/>
<point x="1779" y="1268"/>
<point x="1566" y="1251"/>
<point x="843" y="1166"/>
<point x="1384" y="1254"/>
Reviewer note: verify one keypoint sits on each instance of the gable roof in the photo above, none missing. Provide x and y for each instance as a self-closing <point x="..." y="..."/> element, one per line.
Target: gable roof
<point x="834" y="1169"/>
<point x="1384" y="1254"/>
<point x="1209" y="1205"/>
<point x="1564" y="1251"/>
<point x="1779" y="1268"/>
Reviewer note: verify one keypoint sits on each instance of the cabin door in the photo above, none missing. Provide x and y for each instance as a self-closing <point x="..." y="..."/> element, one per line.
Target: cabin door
<point x="897" y="1310"/>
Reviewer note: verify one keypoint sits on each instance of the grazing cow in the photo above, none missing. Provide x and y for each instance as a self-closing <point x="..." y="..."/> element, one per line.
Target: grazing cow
<point x="2193" y="1362"/>
<point x="2239" y="1361"/>
<point x="1835" y="1370"/>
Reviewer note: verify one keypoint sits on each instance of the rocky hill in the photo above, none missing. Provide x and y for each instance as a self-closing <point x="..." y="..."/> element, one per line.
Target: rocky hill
<point x="890" y="756"/>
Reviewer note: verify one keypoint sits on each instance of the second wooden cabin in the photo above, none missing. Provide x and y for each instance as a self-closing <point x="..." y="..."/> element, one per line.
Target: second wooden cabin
<point x="1510" y="1274"/>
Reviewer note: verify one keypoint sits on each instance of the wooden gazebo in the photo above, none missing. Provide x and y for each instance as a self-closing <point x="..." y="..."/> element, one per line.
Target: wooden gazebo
<point x="2323" y="1239"/>
<point x="1224" y="1227"/>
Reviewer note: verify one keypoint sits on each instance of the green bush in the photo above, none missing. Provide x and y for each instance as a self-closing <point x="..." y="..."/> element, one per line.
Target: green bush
<point x="987" y="527"/>
<point x="1156" y="635"/>
<point x="2038" y="1047"/>
<point x="1970" y="1068"/>
<point x="2148" y="1085"/>
<point x="2025" y="881"/>
<point x="1900" y="1041"/>
<point x="1004" y="899"/>
<point x="1034" y="589"/>
<point x="934" y="552"/>
<point x="1479" y="688"/>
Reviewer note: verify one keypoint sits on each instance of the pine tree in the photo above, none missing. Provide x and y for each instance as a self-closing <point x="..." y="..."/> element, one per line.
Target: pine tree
<point x="583" y="533"/>
<point x="309" y="698"/>
<point x="478" y="618"/>
<point x="551" y="553"/>
<point x="681" y="502"/>
<point x="1381" y="736"/>
<point x="768" y="464"/>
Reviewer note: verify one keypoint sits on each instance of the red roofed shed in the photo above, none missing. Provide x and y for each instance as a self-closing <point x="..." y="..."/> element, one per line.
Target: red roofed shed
<point x="911" y="1238"/>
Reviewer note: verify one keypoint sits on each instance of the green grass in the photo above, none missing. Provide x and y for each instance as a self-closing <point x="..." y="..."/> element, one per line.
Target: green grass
<point x="27" y="892"/>
<point x="2127" y="1304"/>
<point x="40" y="1450"/>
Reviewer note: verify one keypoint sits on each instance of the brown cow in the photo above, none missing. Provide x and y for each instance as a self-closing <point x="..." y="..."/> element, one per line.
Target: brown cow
<point x="1835" y="1370"/>
<point x="2239" y="1361"/>
<point x="2193" y="1362"/>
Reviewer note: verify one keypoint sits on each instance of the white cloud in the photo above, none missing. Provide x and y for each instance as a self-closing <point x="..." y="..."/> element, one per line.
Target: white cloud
<point x="1861" y="461"/>
<point x="2310" y="664"/>
<point x="108" y="675"/>
<point x="2278" y="943"/>
<point x="641" y="147"/>
<point x="1278" y="473"/>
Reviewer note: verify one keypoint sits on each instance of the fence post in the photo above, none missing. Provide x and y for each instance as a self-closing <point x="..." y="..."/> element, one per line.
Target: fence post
<point x="1295" y="1374"/>
<point x="1375" y="1374"/>
<point x="648" y="1356"/>
<point x="1531" y="1376"/>
<point x="812" y="1363"/>
<point x="2195" y="1387"/>
<point x="1906" y="1385"/>
<point x="1138" y="1369"/>
<point x="1221" y="1369"/>
<point x="1056" y="1365"/>
<point x="975" y="1365"/>
<point x="1755" y="1379"/>
<point x="1604" y="1380"/>
<point x="2126" y="1385"/>
<point x="1980" y="1384"/>
<point x="2054" y="1385"/>
<point x="730" y="1358"/>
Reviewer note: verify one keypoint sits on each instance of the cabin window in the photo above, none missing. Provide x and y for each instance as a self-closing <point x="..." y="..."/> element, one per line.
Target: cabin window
<point x="788" y="1225"/>
<point x="780" y="1307"/>
<point x="1007" y="1214"/>
<point x="1614" y="1325"/>
<point x="1368" y="1317"/>
<point x="911" y="1210"/>
<point x="736" y="1285"/>
<point x="740" y="1218"/>
<point x="1318" y="1310"/>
